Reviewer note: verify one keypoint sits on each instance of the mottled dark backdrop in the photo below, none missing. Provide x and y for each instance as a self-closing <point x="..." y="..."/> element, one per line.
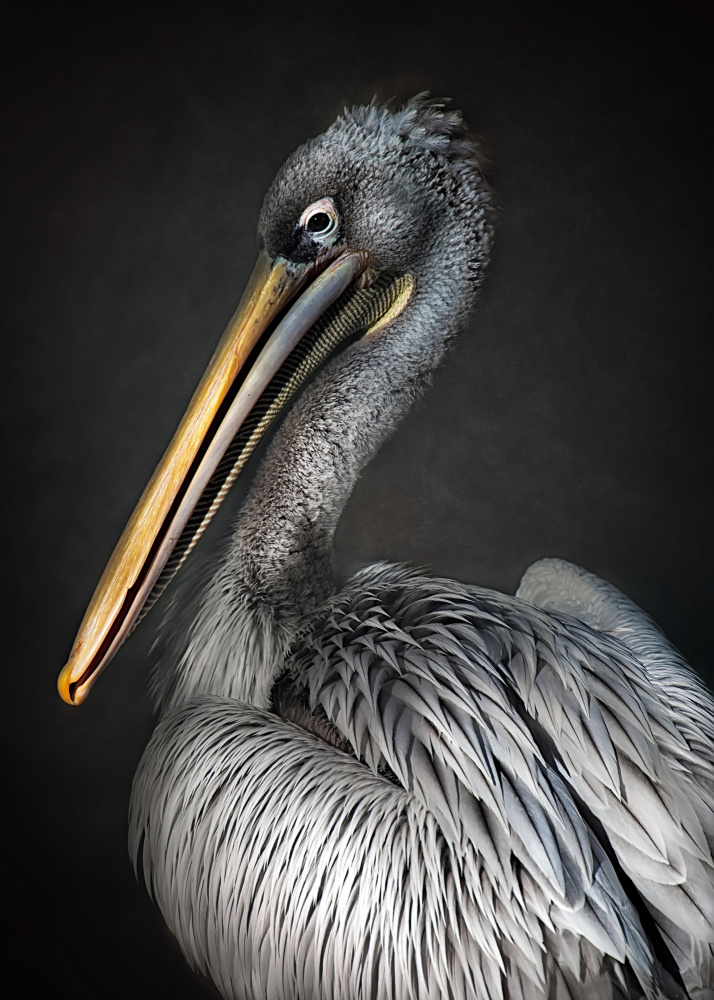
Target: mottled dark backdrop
<point x="573" y="419"/>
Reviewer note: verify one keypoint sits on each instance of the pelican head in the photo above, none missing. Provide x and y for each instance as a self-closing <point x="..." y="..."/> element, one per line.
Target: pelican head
<point x="404" y="186"/>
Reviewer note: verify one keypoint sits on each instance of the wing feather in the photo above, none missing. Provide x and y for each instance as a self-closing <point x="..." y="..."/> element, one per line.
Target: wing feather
<point x="666" y="760"/>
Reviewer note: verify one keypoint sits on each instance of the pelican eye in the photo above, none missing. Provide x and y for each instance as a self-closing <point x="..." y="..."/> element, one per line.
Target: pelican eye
<point x="319" y="223"/>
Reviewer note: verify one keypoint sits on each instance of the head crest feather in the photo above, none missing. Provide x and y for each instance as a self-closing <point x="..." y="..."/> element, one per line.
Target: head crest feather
<point x="422" y="122"/>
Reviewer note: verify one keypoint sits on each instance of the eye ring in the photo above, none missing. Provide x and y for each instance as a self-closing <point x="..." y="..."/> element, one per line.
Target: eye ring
<point x="321" y="220"/>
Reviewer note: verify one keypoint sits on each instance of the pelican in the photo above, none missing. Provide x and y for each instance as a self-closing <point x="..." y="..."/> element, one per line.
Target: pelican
<point x="393" y="786"/>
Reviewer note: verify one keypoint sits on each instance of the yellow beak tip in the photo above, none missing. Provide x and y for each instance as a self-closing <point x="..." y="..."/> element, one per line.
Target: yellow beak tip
<point x="65" y="686"/>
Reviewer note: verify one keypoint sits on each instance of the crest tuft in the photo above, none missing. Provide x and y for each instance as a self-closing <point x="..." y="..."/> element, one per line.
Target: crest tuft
<point x="422" y="122"/>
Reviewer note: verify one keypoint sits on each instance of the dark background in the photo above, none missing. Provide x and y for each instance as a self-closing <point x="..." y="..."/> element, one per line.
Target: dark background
<point x="574" y="418"/>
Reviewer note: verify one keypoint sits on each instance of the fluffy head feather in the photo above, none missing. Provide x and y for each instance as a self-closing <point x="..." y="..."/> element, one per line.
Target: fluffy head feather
<point x="405" y="182"/>
<point x="423" y="123"/>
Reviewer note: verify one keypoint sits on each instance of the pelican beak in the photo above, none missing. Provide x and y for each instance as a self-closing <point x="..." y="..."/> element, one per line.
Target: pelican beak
<point x="257" y="341"/>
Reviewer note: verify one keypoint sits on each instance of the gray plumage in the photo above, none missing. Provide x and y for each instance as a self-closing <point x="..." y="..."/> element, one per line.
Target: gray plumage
<point x="401" y="786"/>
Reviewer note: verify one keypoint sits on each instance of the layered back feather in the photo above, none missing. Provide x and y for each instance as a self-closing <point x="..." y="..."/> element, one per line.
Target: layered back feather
<point x="523" y="774"/>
